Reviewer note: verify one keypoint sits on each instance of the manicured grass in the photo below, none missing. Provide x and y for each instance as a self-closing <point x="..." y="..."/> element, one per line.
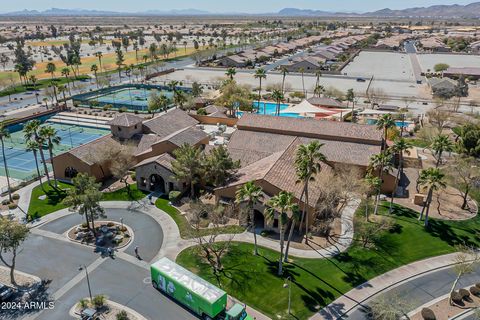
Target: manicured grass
<point x="186" y="231"/>
<point x="317" y="282"/>
<point x="123" y="195"/>
<point x="53" y="202"/>
<point x="20" y="88"/>
<point x="419" y="143"/>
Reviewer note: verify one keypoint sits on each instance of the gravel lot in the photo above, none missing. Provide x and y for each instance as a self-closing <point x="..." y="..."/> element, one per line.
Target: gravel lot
<point x="428" y="61"/>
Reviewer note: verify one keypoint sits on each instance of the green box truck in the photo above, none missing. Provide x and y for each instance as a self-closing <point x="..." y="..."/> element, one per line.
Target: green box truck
<point x="195" y="293"/>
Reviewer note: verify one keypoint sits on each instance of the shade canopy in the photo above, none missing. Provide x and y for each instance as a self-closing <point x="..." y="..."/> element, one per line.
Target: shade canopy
<point x="307" y="107"/>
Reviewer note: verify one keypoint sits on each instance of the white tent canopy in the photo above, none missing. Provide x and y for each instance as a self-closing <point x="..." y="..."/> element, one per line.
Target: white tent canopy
<point x="306" y="107"/>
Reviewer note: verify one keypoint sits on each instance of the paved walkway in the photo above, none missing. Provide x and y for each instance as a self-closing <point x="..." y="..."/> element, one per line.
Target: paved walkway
<point x="358" y="296"/>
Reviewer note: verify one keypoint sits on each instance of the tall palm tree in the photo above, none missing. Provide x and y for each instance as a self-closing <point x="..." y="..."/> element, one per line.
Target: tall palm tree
<point x="284" y="72"/>
<point x="99" y="55"/>
<point x="374" y="184"/>
<point x="250" y="194"/>
<point x="94" y="69"/>
<point x="350" y="97"/>
<point x="318" y="74"/>
<point x="308" y="163"/>
<point x="440" y="144"/>
<point x="49" y="134"/>
<point x="380" y="163"/>
<point x="260" y="74"/>
<point x="281" y="205"/>
<point x="302" y="71"/>
<point x="295" y="216"/>
<point x="384" y="123"/>
<point x="277" y="95"/>
<point x="31" y="133"/>
<point x="231" y="72"/>
<point x="33" y="147"/>
<point x="433" y="179"/>
<point x="400" y="146"/>
<point x="66" y="73"/>
<point x="179" y="98"/>
<point x="33" y="80"/>
<point x="4" y="134"/>
<point x="51" y="68"/>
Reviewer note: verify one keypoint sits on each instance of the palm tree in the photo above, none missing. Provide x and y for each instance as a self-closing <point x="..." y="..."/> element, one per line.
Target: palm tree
<point x="440" y="144"/>
<point x="260" y="74"/>
<point x="179" y="98"/>
<point x="400" y="146"/>
<point x="380" y="163"/>
<point x="277" y="95"/>
<point x="384" y="123"/>
<point x="99" y="55"/>
<point x="318" y="90"/>
<point x="293" y="219"/>
<point x="251" y="194"/>
<point x="231" y="72"/>
<point x="308" y="163"/>
<point x="302" y="71"/>
<point x="282" y="204"/>
<point x="94" y="69"/>
<point x="318" y="74"/>
<point x="284" y="71"/>
<point x="4" y="134"/>
<point x="187" y="165"/>
<point x="433" y="179"/>
<point x="33" y="146"/>
<point x="374" y="185"/>
<point x="62" y="89"/>
<point x="49" y="134"/>
<point x="350" y="97"/>
<point x="51" y="68"/>
<point x="31" y="131"/>
<point x="33" y="80"/>
<point x="66" y="73"/>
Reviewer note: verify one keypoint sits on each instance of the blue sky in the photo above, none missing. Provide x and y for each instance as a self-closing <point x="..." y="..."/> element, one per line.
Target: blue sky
<point x="250" y="6"/>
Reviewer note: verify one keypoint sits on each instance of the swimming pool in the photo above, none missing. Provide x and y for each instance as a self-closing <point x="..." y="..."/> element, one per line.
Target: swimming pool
<point x="269" y="108"/>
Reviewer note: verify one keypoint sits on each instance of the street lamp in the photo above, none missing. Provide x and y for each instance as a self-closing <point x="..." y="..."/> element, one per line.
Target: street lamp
<point x="88" y="280"/>
<point x="287" y="284"/>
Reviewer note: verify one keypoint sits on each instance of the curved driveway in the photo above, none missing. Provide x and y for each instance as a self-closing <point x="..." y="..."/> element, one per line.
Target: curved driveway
<point x="49" y="255"/>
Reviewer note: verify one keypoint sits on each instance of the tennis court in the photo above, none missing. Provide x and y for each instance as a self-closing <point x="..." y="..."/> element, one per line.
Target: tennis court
<point x="132" y="97"/>
<point x="21" y="163"/>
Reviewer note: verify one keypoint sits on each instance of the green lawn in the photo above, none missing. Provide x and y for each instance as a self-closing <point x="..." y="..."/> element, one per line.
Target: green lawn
<point x="317" y="282"/>
<point x="53" y="202"/>
<point x="186" y="231"/>
<point x="43" y="83"/>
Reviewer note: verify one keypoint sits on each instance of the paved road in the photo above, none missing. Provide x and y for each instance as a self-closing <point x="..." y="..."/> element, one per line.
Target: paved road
<point x="48" y="255"/>
<point x="421" y="290"/>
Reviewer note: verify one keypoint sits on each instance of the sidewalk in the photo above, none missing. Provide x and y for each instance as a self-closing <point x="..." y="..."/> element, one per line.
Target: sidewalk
<point x="361" y="294"/>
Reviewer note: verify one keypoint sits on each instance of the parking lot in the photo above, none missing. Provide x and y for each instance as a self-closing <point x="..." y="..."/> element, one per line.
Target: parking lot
<point x="381" y="65"/>
<point x="428" y="61"/>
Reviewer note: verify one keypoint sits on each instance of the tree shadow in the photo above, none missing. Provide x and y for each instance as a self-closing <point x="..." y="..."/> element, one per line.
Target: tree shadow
<point x="446" y="233"/>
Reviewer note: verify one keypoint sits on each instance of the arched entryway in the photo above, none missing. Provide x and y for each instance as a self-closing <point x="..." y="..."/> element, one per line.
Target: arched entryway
<point x="156" y="183"/>
<point x="258" y="219"/>
<point x="70" y="172"/>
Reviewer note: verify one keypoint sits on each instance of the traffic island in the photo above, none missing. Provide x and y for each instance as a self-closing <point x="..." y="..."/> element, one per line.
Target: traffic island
<point x="109" y="234"/>
<point x="102" y="308"/>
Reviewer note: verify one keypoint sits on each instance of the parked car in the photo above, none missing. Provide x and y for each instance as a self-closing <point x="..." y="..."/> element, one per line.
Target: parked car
<point x="360" y="80"/>
<point x="5" y="292"/>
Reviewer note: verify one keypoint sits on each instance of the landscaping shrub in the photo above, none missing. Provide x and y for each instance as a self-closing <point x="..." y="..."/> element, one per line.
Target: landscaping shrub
<point x="456" y="297"/>
<point x="99" y="300"/>
<point x="15" y="196"/>
<point x="477" y="285"/>
<point x="428" y="314"/>
<point x="110" y="224"/>
<point x="173" y="196"/>
<point x="84" y="225"/>
<point x="83" y="303"/>
<point x="5" y="202"/>
<point x="122" y="315"/>
<point x="464" y="293"/>
<point x="475" y="291"/>
<point x="12" y="206"/>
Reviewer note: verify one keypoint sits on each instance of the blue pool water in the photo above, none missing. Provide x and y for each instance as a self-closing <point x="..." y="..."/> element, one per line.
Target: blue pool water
<point x="400" y="124"/>
<point x="269" y="108"/>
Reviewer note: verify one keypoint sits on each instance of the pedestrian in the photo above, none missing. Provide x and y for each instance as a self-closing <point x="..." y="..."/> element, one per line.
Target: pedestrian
<point x="150" y="198"/>
<point x="136" y="252"/>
